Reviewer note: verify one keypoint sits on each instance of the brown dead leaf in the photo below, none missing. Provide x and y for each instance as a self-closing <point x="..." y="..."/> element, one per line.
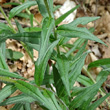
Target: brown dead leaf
<point x="2" y="1"/>
<point x="38" y="17"/>
<point x="3" y="108"/>
<point x="59" y="2"/>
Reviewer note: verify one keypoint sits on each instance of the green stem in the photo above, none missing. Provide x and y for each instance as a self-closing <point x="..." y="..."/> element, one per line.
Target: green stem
<point x="25" y="47"/>
<point x="9" y="22"/>
<point x="47" y="7"/>
<point x="55" y="34"/>
<point x="6" y="79"/>
<point x="29" y="13"/>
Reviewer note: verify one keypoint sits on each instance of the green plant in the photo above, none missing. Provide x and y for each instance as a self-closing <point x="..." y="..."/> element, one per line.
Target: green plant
<point x="59" y="87"/>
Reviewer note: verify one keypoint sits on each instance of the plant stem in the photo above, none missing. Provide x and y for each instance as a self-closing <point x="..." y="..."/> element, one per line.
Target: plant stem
<point x="9" y="22"/>
<point x="55" y="34"/>
<point x="29" y="13"/>
<point x="6" y="79"/>
<point x="47" y="7"/>
<point x="27" y="50"/>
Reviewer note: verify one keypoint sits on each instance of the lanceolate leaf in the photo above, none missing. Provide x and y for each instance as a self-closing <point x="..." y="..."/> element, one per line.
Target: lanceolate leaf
<point x="76" y="68"/>
<point x="77" y="43"/>
<point x="50" y="3"/>
<point x="19" y="8"/>
<point x="31" y="37"/>
<point x="82" y="20"/>
<point x="2" y="61"/>
<point x="13" y="55"/>
<point x="18" y="107"/>
<point x="3" y="48"/>
<point x="42" y="8"/>
<point x="101" y="62"/>
<point x="85" y="80"/>
<point x="60" y="88"/>
<point x="51" y="98"/>
<point x="18" y="99"/>
<point x="39" y="69"/>
<point x="4" y="72"/>
<point x="80" y="51"/>
<point x="34" y="92"/>
<point x="27" y="106"/>
<point x="98" y="102"/>
<point x="20" y="29"/>
<point x="6" y="91"/>
<point x="72" y="32"/>
<point x="47" y="27"/>
<point x="63" y="68"/>
<point x="4" y="27"/>
<point x="45" y="50"/>
<point x="60" y="19"/>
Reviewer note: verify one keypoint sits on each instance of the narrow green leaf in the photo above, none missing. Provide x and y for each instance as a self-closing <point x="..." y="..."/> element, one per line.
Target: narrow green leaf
<point x="32" y="29"/>
<point x="18" y="107"/>
<point x="27" y="106"/>
<point x="60" y="19"/>
<point x="10" y="74"/>
<point x="45" y="50"/>
<point x="3" y="63"/>
<point x="34" y="92"/>
<point x="50" y="2"/>
<point x="47" y="27"/>
<point x="23" y="15"/>
<point x="98" y="102"/>
<point x="18" y="99"/>
<point x="76" y="68"/>
<point x="13" y="55"/>
<point x="34" y="46"/>
<point x="31" y="37"/>
<point x="6" y="91"/>
<point x="62" y="40"/>
<point x="81" y="50"/>
<point x="3" y="48"/>
<point x="21" y="7"/>
<point x="56" y="8"/>
<point x="4" y="27"/>
<point x="85" y="80"/>
<point x="77" y="90"/>
<point x="39" y="69"/>
<point x="51" y="98"/>
<point x="60" y="89"/>
<point x="7" y="80"/>
<point x="63" y="68"/>
<point x="31" y="20"/>
<point x="76" y="44"/>
<point x="73" y="32"/>
<point x="101" y="62"/>
<point x="42" y="8"/>
<point x="20" y="29"/>
<point x="82" y="20"/>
